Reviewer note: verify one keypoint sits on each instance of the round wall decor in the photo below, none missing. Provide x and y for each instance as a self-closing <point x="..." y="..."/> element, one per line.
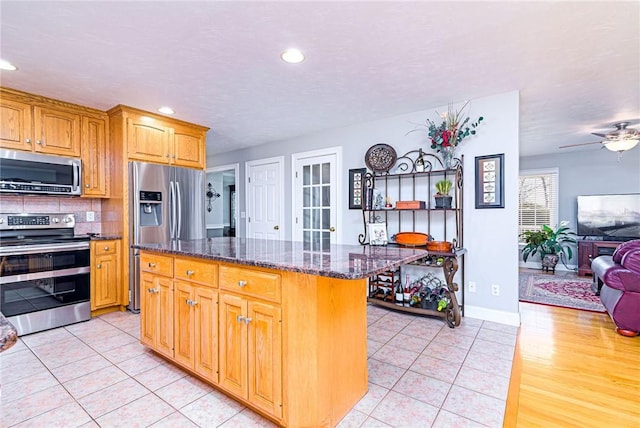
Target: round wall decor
<point x="380" y="158"/>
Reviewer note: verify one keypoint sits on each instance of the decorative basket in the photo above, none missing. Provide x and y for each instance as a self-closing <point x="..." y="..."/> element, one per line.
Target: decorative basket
<point x="439" y="246"/>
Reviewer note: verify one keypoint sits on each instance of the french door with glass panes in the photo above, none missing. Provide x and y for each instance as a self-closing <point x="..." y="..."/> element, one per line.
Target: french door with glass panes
<point x="316" y="198"/>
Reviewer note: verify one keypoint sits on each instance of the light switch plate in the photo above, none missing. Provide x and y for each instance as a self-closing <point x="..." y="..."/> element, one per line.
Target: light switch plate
<point x="91" y="216"/>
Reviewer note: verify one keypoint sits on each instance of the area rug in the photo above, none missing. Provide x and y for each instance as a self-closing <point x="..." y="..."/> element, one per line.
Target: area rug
<point x="572" y="293"/>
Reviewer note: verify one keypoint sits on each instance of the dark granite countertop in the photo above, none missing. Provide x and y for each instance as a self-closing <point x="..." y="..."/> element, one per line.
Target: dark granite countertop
<point x="8" y="334"/>
<point x="340" y="261"/>
<point x="103" y="237"/>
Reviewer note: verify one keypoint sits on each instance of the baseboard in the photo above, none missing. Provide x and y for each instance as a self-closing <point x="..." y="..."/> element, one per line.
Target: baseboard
<point x="559" y="266"/>
<point x="502" y="317"/>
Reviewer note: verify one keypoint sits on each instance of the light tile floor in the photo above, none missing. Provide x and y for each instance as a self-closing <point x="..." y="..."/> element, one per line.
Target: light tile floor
<point x="96" y="373"/>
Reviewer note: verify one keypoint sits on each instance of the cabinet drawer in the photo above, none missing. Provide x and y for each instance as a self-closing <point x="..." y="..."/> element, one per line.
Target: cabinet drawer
<point x="264" y="285"/>
<point x="105" y="247"/>
<point x="196" y="271"/>
<point x="155" y="263"/>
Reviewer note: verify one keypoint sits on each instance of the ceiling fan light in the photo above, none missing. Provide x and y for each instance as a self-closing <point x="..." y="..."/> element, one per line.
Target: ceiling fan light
<point x="620" y="145"/>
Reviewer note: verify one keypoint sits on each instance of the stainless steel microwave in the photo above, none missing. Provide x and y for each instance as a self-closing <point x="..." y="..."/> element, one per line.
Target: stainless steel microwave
<point x="37" y="174"/>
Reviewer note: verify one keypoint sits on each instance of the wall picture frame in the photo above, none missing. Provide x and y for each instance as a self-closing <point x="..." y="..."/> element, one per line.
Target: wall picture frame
<point x="378" y="234"/>
<point x="357" y="183"/>
<point x="489" y="181"/>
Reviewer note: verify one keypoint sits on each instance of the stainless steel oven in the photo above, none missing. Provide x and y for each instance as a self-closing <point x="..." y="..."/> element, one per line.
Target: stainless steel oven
<point x="44" y="271"/>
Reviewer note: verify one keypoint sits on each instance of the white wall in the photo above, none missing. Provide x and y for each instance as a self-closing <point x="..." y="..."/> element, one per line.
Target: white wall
<point x="490" y="235"/>
<point x="215" y="217"/>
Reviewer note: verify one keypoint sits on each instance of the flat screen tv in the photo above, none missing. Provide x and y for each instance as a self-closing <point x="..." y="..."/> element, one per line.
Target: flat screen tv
<point x="609" y="217"/>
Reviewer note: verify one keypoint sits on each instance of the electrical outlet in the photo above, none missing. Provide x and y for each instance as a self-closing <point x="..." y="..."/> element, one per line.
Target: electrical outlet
<point x="472" y="287"/>
<point x="91" y="216"/>
<point x="495" y="289"/>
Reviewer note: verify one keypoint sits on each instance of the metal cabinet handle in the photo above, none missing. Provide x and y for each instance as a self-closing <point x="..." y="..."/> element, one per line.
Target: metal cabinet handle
<point x="247" y="320"/>
<point x="191" y="302"/>
<point x="86" y="185"/>
<point x="242" y="283"/>
<point x="152" y="265"/>
<point x="240" y="318"/>
<point x="190" y="272"/>
<point x="38" y="142"/>
<point x="28" y="140"/>
<point x="106" y="248"/>
<point x="98" y="266"/>
<point x="152" y="290"/>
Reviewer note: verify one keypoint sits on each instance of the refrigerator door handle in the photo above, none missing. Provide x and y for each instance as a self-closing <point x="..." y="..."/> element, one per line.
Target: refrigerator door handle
<point x="173" y="204"/>
<point x="136" y="203"/>
<point x="179" y="209"/>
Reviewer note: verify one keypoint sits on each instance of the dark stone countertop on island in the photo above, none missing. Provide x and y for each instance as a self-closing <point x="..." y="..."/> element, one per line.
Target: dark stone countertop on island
<point x="340" y="261"/>
<point x="8" y="334"/>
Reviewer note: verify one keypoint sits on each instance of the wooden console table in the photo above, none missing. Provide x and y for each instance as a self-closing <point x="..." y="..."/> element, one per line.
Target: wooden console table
<point x="589" y="250"/>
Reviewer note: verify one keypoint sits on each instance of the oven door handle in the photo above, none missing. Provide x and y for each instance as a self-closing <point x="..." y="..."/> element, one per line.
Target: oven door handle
<point x="19" y="250"/>
<point x="44" y="275"/>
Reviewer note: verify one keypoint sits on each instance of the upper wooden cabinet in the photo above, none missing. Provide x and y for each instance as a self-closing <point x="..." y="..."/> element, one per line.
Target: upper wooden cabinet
<point x="153" y="138"/>
<point x="95" y="157"/>
<point x="30" y="125"/>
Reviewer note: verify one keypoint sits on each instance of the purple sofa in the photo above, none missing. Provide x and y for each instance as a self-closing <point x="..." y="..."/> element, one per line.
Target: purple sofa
<point x="619" y="276"/>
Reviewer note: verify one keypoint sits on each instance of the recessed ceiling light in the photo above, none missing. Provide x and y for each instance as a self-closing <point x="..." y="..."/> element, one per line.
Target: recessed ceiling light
<point x="6" y="65"/>
<point x="292" y="56"/>
<point x="166" y="110"/>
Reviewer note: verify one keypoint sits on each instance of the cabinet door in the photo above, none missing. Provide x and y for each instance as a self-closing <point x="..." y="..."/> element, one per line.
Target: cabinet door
<point x="156" y="307"/>
<point x="188" y="147"/>
<point x="105" y="278"/>
<point x="147" y="141"/>
<point x="265" y="357"/>
<point x="184" y="323"/>
<point x="206" y="332"/>
<point x="233" y="344"/>
<point x="95" y="167"/>
<point x="15" y="125"/>
<point x="56" y="132"/>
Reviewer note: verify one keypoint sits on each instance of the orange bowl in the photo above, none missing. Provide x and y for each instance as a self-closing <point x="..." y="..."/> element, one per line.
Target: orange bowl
<point x="439" y="246"/>
<point x="412" y="239"/>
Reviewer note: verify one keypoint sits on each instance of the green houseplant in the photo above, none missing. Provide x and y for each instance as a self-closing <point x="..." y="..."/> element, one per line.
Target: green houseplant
<point x="549" y="243"/>
<point x="442" y="198"/>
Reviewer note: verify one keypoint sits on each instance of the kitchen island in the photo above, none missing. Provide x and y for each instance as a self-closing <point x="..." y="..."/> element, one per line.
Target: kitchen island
<point x="276" y="326"/>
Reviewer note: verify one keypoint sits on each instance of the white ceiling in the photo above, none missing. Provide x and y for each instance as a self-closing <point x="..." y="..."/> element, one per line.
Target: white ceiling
<point x="576" y="64"/>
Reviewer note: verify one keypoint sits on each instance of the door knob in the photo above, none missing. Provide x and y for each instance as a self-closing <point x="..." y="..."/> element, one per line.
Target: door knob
<point x="276" y="227"/>
<point x="332" y="229"/>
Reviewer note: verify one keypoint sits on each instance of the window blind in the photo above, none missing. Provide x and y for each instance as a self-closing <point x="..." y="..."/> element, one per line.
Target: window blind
<point x="538" y="200"/>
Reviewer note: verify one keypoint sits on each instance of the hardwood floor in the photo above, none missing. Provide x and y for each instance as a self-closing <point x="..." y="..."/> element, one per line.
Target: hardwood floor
<point x="571" y="369"/>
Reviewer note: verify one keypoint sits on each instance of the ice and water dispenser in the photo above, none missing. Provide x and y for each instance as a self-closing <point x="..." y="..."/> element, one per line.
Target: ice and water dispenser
<point x="150" y="208"/>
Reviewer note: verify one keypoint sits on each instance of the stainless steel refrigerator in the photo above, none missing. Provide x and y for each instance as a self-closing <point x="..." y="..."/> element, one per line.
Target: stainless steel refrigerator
<point x="166" y="203"/>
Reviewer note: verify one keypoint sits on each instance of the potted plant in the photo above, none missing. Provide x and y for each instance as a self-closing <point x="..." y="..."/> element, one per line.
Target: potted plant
<point x="549" y="243"/>
<point x="442" y="198"/>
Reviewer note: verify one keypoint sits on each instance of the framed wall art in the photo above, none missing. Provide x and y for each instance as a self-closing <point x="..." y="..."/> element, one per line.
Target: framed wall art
<point x="378" y="234"/>
<point x="356" y="188"/>
<point x="490" y="181"/>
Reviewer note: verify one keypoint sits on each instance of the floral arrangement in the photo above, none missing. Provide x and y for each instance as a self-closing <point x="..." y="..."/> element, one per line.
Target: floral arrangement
<point x="454" y="128"/>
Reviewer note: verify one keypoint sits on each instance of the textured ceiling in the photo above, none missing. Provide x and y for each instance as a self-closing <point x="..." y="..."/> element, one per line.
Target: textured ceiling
<point x="576" y="64"/>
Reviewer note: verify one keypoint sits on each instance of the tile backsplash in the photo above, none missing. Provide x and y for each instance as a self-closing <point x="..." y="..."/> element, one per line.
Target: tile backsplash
<point x="46" y="204"/>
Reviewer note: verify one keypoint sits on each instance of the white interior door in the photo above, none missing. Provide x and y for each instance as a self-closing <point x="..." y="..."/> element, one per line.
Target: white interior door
<point x="317" y="191"/>
<point x="265" y="198"/>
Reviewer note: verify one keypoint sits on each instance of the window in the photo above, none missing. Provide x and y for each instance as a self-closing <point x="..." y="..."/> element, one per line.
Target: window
<point x="538" y="199"/>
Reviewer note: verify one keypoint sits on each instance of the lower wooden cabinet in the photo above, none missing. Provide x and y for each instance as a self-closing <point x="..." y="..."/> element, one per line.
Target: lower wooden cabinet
<point x="106" y="283"/>
<point x="156" y="312"/>
<point x="251" y="351"/>
<point x="196" y="328"/>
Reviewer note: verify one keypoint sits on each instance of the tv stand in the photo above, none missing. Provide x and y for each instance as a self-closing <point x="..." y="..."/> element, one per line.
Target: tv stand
<point x="589" y="250"/>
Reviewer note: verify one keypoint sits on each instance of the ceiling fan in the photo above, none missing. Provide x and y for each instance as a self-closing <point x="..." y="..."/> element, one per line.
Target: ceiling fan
<point x="619" y="140"/>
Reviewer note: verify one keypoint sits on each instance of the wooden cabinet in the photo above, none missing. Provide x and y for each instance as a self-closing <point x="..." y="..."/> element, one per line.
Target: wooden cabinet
<point x="251" y="351"/>
<point x="196" y="316"/>
<point x="39" y="128"/>
<point x="156" y="303"/>
<point x="106" y="283"/>
<point x="95" y="157"/>
<point x="154" y="138"/>
<point x="16" y="124"/>
<point x="589" y="250"/>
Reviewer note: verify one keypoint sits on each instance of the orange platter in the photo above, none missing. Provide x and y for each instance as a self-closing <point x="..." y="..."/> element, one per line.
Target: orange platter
<point x="412" y="239"/>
